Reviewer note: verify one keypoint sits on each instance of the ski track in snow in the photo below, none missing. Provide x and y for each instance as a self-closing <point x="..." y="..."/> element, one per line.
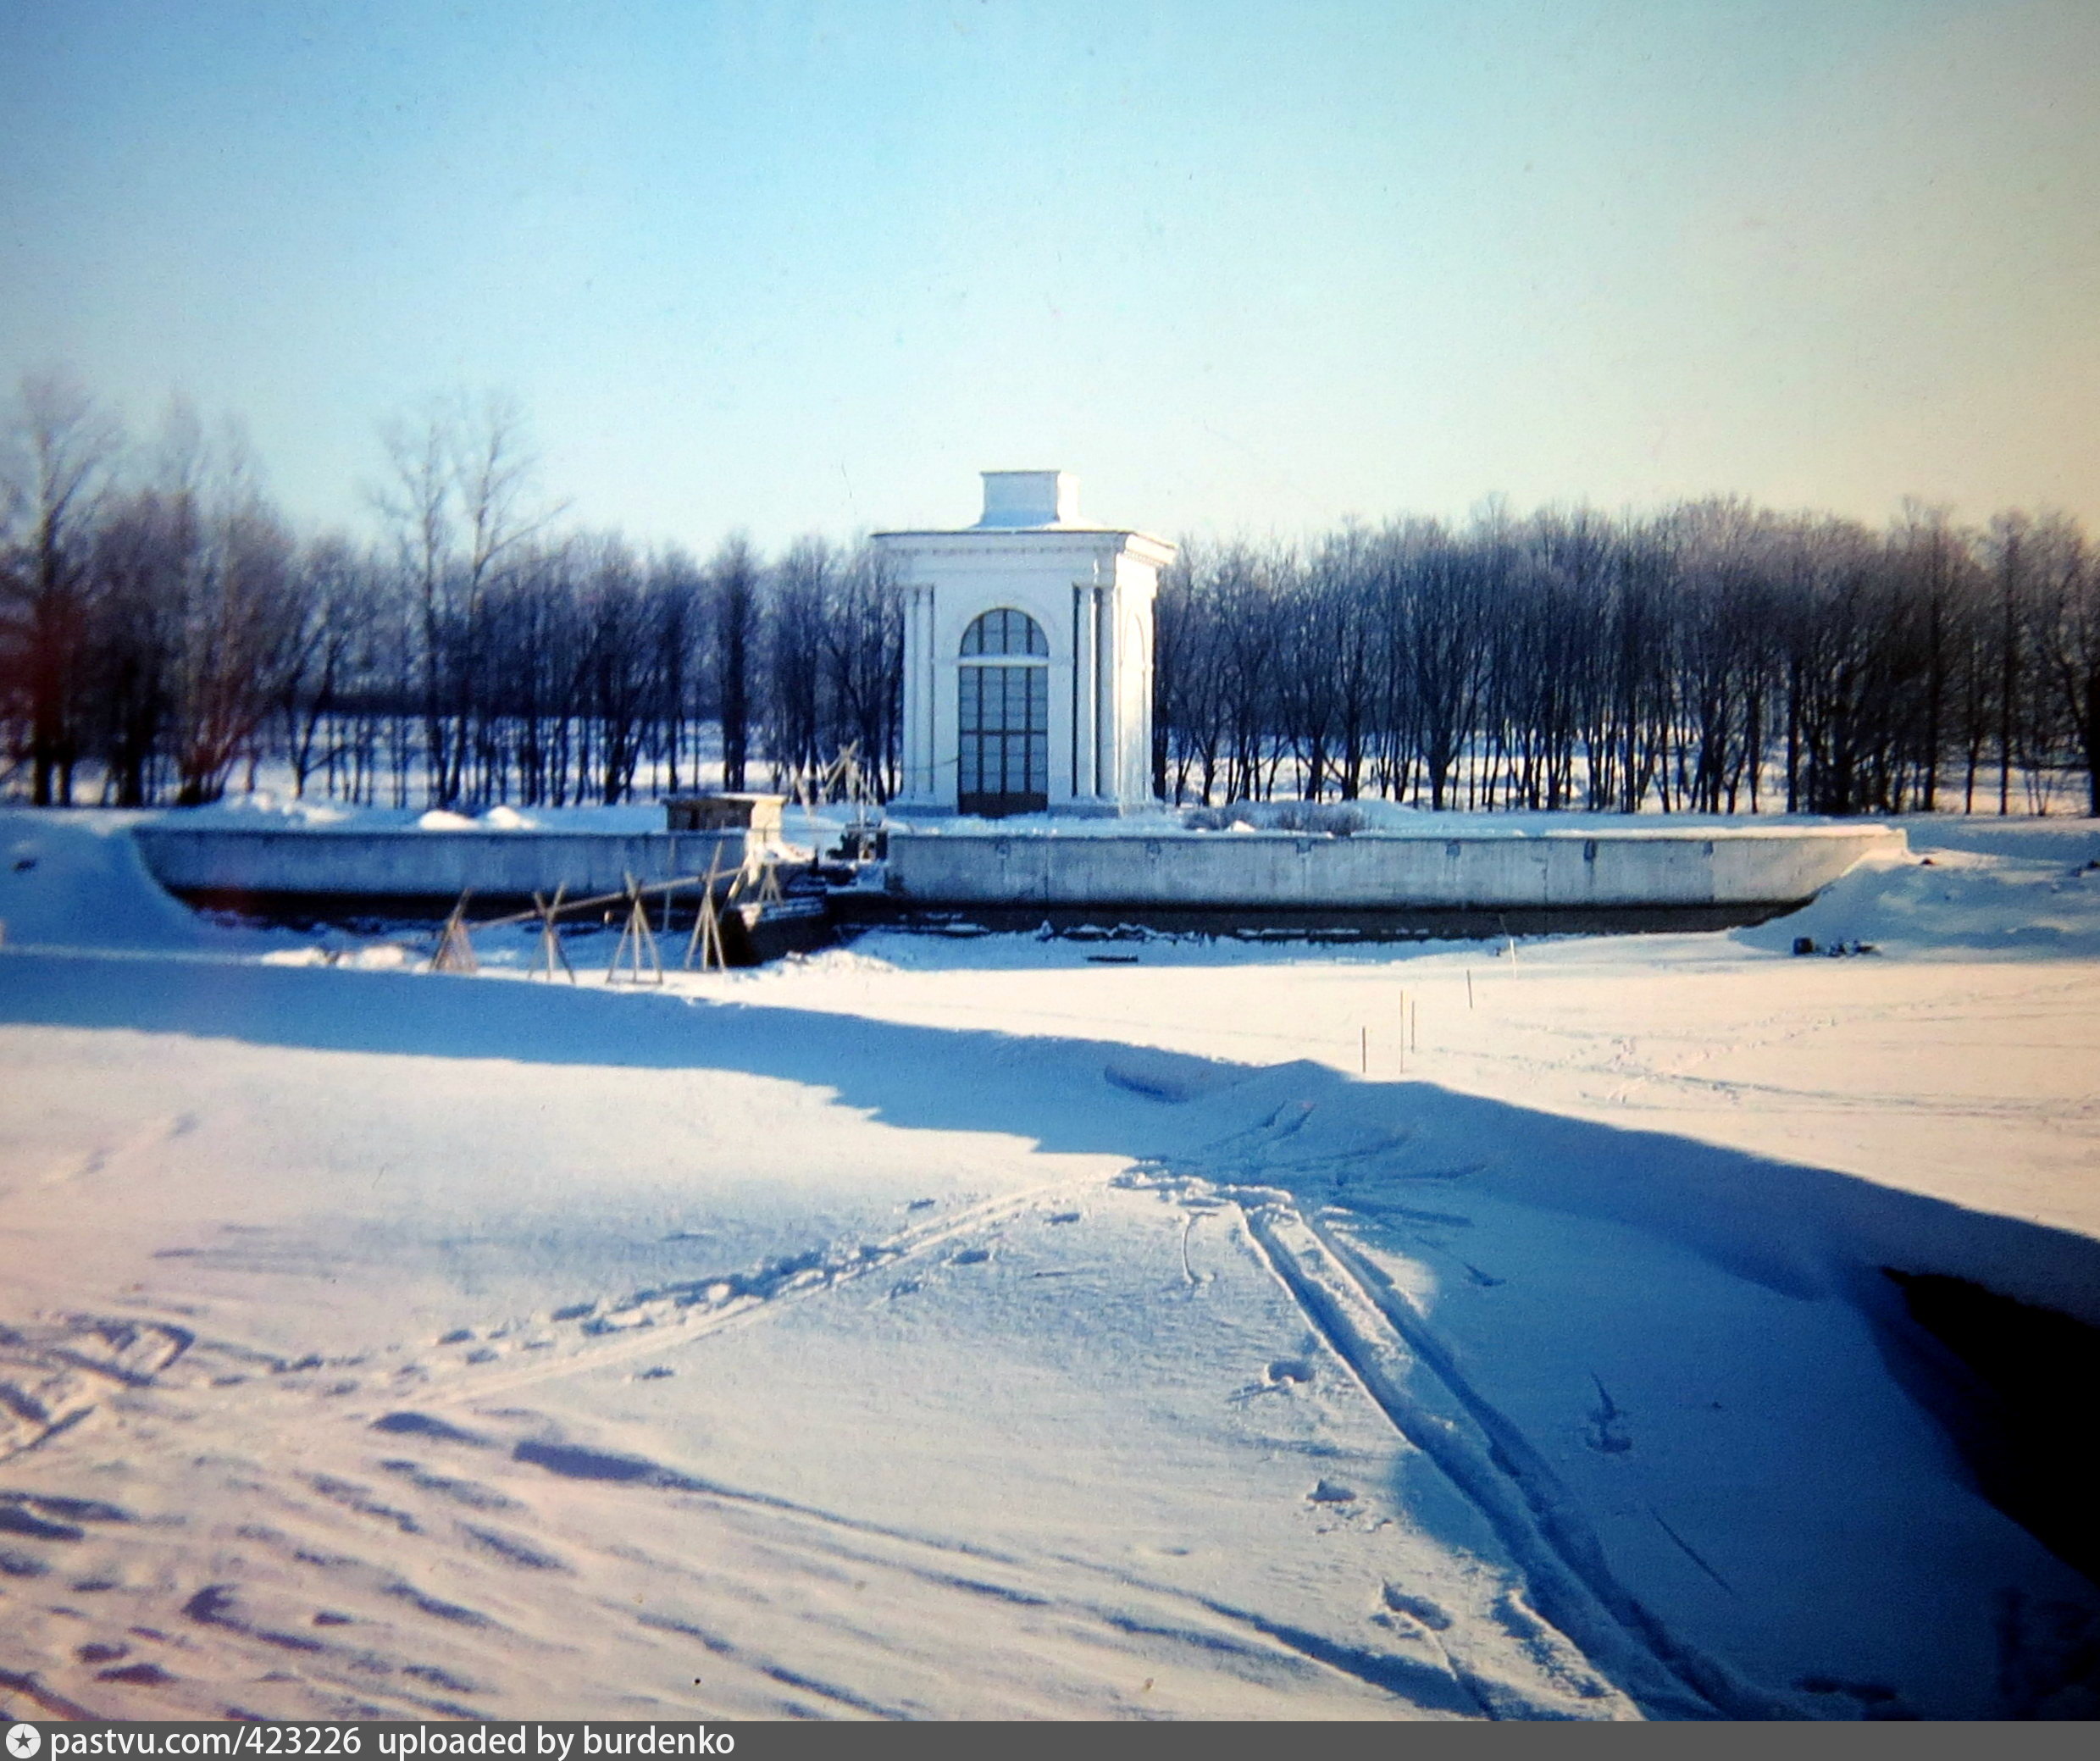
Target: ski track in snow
<point x="1382" y="1335"/>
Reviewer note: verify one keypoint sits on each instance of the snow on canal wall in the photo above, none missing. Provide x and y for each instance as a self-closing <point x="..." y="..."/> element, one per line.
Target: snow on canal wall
<point x="1569" y="867"/>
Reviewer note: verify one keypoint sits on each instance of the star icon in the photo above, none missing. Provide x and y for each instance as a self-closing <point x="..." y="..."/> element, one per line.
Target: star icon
<point x="24" y="1740"/>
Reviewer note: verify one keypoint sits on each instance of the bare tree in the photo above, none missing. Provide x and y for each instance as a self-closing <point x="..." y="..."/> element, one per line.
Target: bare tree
<point x="798" y="611"/>
<point x="418" y="503"/>
<point x="675" y="591"/>
<point x="618" y="652"/>
<point x="237" y="612"/>
<point x="493" y="469"/>
<point x="735" y="575"/>
<point x="2066" y="621"/>
<point x="1931" y="559"/>
<point x="139" y="552"/>
<point x="337" y="596"/>
<point x="864" y="665"/>
<point x="61" y="450"/>
<point x="458" y="499"/>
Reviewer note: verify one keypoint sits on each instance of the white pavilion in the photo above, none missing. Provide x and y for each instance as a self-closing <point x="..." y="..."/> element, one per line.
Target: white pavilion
<point x="1028" y="657"/>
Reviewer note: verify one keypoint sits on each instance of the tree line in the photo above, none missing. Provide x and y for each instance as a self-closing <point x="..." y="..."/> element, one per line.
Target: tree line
<point x="165" y="632"/>
<point x="1714" y="657"/>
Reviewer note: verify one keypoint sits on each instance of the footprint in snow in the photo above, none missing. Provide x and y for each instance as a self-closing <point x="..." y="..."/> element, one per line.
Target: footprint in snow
<point x="972" y="1256"/>
<point x="137" y="1675"/>
<point x="1606" y="1432"/>
<point x="1418" y="1608"/>
<point x="1330" y="1491"/>
<point x="1875" y="1700"/>
<point x="1286" y="1372"/>
<point x="413" y="1424"/>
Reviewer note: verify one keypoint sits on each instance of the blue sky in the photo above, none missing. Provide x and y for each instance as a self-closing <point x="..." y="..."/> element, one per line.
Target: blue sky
<point x="1256" y="267"/>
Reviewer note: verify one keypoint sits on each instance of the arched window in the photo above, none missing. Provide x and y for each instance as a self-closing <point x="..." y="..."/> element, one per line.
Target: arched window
<point x="1013" y="634"/>
<point x="1004" y="717"/>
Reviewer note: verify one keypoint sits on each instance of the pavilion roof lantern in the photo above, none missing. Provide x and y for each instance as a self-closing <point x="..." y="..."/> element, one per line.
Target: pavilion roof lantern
<point x="1020" y="499"/>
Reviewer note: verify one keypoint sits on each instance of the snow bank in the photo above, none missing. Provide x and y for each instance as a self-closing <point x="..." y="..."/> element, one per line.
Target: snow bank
<point x="1993" y="890"/>
<point x="74" y="879"/>
<point x="2071" y="842"/>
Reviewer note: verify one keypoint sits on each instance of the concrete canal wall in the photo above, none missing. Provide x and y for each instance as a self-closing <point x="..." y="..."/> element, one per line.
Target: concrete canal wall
<point x="1561" y="865"/>
<point x="1568" y="867"/>
<point x="411" y="863"/>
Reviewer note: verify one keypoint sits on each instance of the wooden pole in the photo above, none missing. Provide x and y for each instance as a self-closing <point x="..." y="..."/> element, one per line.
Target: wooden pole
<point x="619" y="947"/>
<point x="706" y="937"/>
<point x="455" y="948"/>
<point x="550" y="948"/>
<point x="636" y="939"/>
<point x="597" y="900"/>
<point x="646" y="938"/>
<point x="712" y="955"/>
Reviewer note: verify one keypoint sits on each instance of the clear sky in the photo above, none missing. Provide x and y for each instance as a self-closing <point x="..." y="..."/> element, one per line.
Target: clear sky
<point x="1241" y="267"/>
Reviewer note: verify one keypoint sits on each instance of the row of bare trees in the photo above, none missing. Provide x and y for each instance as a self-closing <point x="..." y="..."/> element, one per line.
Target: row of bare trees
<point x="134" y="616"/>
<point x="163" y="632"/>
<point x="1714" y="658"/>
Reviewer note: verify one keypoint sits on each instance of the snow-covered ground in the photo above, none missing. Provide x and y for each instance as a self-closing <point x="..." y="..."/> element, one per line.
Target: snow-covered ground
<point x="997" y="1325"/>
